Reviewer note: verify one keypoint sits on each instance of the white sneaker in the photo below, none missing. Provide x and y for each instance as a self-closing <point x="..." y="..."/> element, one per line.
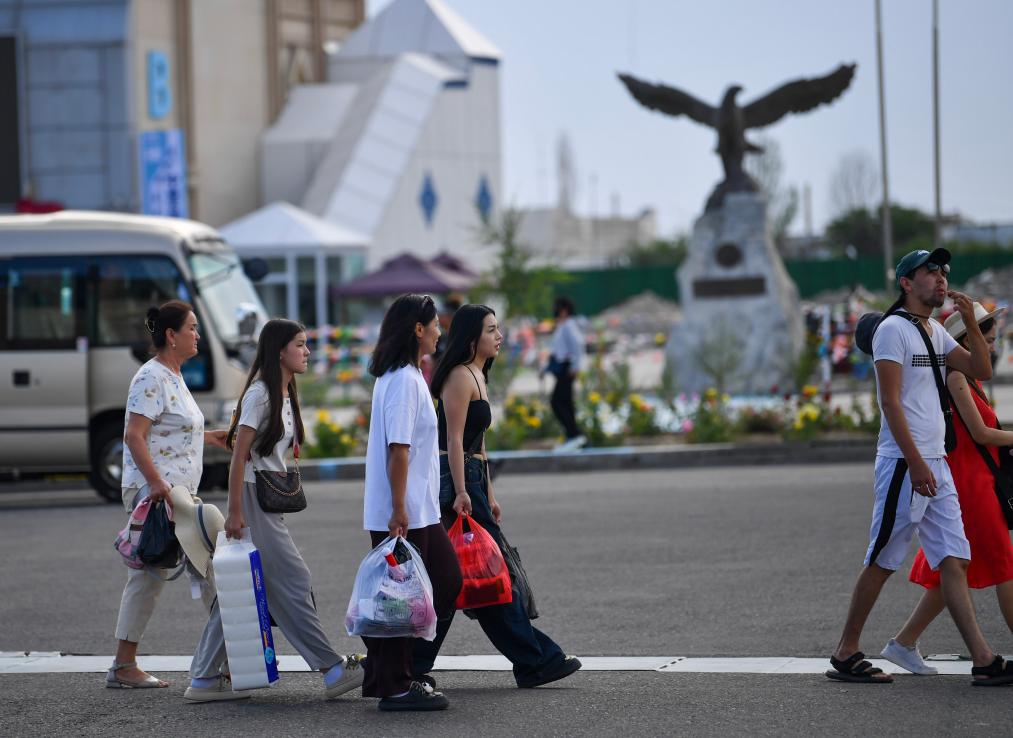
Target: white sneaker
<point x="907" y="658"/>
<point x="572" y="444"/>
<point x="351" y="679"/>
<point x="221" y="691"/>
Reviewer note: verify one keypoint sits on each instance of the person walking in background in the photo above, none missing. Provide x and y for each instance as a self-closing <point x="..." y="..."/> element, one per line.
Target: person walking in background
<point x="913" y="486"/>
<point x="464" y="414"/>
<point x="268" y="424"/>
<point x="163" y="446"/>
<point x="984" y="522"/>
<point x="566" y="353"/>
<point x="402" y="490"/>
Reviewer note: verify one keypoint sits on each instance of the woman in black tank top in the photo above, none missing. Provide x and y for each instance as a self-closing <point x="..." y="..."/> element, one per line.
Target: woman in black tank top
<point x="464" y="414"/>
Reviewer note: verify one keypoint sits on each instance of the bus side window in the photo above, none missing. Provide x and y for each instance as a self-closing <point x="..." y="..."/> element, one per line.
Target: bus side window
<point x="43" y="301"/>
<point x="127" y="286"/>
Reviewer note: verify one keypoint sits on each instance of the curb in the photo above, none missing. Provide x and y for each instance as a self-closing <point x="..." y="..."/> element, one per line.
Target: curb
<point x="636" y="457"/>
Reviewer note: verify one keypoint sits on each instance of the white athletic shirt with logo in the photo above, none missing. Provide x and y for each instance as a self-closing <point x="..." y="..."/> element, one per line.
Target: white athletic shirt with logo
<point x="898" y="340"/>
<point x="403" y="413"/>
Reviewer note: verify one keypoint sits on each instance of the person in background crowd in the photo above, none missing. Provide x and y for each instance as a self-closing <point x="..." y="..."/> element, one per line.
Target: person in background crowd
<point x="566" y="353"/>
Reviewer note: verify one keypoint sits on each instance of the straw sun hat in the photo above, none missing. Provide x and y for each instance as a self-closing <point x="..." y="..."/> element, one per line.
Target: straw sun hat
<point x="197" y="525"/>
<point x="954" y="324"/>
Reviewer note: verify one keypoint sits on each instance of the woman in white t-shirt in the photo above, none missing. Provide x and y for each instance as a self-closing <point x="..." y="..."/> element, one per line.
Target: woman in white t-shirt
<point x="163" y="446"/>
<point x="268" y="423"/>
<point x="403" y="488"/>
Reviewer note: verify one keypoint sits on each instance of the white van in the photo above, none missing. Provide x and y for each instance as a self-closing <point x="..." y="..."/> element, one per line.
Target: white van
<point x="74" y="290"/>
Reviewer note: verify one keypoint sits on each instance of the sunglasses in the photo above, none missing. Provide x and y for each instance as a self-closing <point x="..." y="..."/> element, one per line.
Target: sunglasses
<point x="933" y="267"/>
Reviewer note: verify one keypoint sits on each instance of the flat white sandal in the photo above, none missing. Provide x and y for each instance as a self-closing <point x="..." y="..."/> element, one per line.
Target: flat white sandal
<point x="115" y="682"/>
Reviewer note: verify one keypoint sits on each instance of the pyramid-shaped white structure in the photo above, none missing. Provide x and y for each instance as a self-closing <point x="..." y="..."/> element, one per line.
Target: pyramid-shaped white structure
<point x="420" y="26"/>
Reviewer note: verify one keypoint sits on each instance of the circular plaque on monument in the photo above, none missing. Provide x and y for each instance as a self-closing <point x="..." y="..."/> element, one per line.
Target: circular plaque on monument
<point x="728" y="255"/>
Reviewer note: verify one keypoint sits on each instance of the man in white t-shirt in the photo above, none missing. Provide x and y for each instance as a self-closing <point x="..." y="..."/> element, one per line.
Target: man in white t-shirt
<point x="913" y="487"/>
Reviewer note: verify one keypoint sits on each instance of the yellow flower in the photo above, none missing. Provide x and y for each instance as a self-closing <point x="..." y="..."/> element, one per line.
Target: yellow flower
<point x="323" y="416"/>
<point x="659" y="339"/>
<point x="726" y="397"/>
<point x="810" y="390"/>
<point x="797" y="425"/>
<point x="636" y="399"/>
<point x="346" y="440"/>
<point x="594" y="398"/>
<point x="534" y="422"/>
<point x="809" y="412"/>
<point x="334" y="428"/>
<point x="711" y="393"/>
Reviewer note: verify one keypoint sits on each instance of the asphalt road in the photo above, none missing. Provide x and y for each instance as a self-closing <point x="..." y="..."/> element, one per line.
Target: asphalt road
<point x="752" y="561"/>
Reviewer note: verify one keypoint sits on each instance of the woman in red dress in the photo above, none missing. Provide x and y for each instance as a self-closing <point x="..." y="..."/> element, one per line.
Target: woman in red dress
<point x="984" y="524"/>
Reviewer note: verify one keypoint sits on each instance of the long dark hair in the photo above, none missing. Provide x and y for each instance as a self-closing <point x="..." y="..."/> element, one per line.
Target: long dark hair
<point x="462" y="343"/>
<point x="398" y="345"/>
<point x="158" y="320"/>
<point x="274" y="337"/>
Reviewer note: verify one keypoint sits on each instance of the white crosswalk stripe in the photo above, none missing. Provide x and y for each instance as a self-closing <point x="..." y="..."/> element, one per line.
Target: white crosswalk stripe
<point x="51" y="662"/>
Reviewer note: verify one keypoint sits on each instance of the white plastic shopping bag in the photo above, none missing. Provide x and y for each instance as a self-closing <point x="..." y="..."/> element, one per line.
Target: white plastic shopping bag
<point x="392" y="596"/>
<point x="242" y="601"/>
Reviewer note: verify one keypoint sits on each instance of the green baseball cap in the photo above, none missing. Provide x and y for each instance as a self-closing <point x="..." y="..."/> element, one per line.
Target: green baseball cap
<point x="915" y="259"/>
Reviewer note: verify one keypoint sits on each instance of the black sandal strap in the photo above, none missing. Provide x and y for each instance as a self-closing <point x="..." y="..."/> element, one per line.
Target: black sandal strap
<point x="992" y="670"/>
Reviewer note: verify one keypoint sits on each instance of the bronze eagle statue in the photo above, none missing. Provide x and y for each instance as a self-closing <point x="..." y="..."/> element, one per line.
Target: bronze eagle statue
<point x="732" y="120"/>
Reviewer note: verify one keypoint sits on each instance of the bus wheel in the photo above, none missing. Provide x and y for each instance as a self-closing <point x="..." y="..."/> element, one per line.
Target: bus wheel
<point x="107" y="462"/>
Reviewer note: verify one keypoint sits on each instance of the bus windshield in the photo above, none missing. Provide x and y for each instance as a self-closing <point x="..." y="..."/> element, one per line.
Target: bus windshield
<point x="226" y="291"/>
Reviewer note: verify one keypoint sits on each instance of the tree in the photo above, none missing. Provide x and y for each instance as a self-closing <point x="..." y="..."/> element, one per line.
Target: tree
<point x="659" y="252"/>
<point x="862" y="228"/>
<point x="854" y="183"/>
<point x="526" y="288"/>
<point x="782" y="202"/>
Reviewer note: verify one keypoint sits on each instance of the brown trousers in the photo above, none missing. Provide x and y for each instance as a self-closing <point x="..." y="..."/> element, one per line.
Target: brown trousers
<point x="388" y="668"/>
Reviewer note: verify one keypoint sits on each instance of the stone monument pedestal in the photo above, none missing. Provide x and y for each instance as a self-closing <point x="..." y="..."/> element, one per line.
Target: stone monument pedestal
<point x="742" y="329"/>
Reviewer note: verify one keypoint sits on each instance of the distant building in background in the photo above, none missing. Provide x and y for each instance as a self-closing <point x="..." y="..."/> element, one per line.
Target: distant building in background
<point x="559" y="236"/>
<point x="997" y="234"/>
<point x="152" y="106"/>
<point x="402" y="144"/>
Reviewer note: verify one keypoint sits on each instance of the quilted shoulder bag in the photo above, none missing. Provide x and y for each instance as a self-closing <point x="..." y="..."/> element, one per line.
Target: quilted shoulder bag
<point x="281" y="492"/>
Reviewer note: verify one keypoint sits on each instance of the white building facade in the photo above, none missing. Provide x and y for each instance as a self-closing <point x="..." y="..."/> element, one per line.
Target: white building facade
<point x="403" y="142"/>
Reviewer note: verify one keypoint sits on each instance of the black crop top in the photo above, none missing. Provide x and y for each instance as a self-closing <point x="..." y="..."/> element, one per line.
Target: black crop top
<point x="476" y="423"/>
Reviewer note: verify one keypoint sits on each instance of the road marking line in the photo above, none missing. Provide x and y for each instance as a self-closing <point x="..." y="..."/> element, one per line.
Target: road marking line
<point x="51" y="662"/>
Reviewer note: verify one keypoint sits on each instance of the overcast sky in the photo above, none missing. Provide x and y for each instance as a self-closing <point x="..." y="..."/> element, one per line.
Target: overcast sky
<point x="558" y="74"/>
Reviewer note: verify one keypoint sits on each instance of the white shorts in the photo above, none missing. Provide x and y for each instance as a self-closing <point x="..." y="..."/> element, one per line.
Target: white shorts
<point x="898" y="512"/>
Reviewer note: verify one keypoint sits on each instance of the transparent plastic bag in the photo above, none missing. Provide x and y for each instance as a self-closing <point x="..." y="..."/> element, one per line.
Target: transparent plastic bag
<point x="392" y="596"/>
<point x="486" y="577"/>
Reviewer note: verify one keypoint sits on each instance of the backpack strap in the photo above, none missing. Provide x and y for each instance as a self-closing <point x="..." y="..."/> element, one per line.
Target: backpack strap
<point x="944" y="393"/>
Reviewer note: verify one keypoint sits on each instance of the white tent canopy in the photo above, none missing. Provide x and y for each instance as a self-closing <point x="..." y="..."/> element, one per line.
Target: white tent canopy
<point x="283" y="231"/>
<point x="280" y="227"/>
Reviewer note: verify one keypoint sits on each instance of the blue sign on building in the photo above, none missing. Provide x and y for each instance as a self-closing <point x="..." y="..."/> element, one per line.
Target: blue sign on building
<point x="159" y="85"/>
<point x="163" y="173"/>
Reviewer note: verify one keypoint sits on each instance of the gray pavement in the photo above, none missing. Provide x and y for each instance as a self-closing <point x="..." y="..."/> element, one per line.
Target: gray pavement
<point x="745" y="561"/>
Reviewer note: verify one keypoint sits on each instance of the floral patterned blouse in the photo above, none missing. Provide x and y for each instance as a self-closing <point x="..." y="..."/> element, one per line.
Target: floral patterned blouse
<point x="176" y="439"/>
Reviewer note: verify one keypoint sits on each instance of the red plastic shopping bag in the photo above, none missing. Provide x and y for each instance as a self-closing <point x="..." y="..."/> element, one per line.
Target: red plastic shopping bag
<point x="486" y="578"/>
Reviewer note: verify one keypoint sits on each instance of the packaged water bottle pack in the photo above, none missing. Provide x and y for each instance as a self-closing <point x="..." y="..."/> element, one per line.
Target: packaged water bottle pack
<point x="242" y="601"/>
<point x="392" y="596"/>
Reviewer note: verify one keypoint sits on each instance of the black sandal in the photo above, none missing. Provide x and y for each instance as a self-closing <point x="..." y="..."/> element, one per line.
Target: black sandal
<point x="996" y="674"/>
<point x="856" y="669"/>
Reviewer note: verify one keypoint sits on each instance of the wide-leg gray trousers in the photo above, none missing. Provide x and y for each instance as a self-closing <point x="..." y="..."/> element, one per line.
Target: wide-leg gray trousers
<point x="287" y="581"/>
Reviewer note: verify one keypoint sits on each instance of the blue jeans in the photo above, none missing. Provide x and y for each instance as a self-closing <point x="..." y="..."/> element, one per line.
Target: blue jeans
<point x="507" y="626"/>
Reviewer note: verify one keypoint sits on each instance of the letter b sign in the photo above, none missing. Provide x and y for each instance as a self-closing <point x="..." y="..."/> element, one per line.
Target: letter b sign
<point x="159" y="85"/>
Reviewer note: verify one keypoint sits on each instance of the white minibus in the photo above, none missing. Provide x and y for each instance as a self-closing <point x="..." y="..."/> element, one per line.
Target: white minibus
<point x="74" y="290"/>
